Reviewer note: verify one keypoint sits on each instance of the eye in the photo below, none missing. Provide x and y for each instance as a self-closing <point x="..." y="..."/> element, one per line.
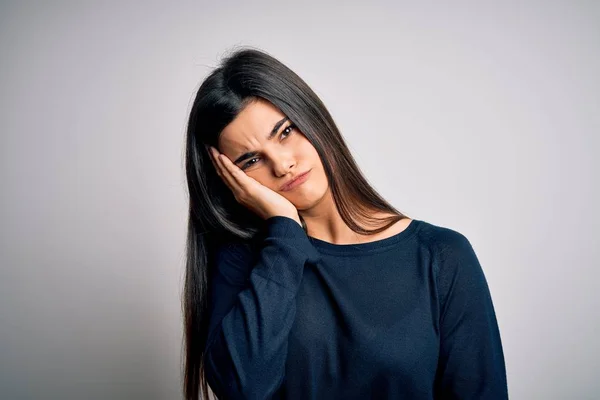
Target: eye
<point x="286" y="132"/>
<point x="248" y="164"/>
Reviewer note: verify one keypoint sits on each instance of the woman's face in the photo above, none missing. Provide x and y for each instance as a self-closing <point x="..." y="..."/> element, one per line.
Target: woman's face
<point x="273" y="162"/>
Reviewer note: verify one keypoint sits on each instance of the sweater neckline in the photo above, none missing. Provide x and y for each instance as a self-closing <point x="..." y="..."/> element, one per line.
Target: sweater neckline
<point x="359" y="248"/>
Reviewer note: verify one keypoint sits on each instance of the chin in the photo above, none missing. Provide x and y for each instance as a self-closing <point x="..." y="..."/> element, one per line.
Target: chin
<point x="307" y="199"/>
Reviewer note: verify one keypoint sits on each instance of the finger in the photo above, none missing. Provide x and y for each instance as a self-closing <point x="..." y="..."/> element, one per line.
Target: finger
<point x="226" y="172"/>
<point x="213" y="153"/>
<point x="223" y="171"/>
<point x="236" y="175"/>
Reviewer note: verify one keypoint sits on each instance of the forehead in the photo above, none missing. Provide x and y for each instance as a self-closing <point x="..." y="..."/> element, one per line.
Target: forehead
<point x="252" y="125"/>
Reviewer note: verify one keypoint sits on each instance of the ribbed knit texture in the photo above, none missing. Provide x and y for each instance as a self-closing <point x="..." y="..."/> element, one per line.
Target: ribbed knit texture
<point x="406" y="317"/>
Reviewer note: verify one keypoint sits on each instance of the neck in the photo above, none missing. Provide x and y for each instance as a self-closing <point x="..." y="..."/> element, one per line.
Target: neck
<point x="323" y="221"/>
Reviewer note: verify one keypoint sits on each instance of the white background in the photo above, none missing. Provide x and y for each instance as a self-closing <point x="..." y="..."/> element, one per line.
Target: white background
<point x="483" y="117"/>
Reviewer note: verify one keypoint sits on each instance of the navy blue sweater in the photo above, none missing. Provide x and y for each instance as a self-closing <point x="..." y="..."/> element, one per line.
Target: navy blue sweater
<point x="406" y="317"/>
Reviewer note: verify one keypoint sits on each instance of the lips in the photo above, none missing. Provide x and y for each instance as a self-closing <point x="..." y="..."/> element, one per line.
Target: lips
<point x="297" y="181"/>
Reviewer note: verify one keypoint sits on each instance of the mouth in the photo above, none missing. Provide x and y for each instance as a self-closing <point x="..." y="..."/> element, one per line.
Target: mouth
<point x="300" y="179"/>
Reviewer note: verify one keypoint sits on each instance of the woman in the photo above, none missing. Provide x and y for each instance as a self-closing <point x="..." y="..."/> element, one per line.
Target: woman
<point x="302" y="282"/>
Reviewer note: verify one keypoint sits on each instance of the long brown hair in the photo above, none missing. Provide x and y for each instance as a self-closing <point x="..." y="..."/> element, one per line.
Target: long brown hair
<point x="245" y="75"/>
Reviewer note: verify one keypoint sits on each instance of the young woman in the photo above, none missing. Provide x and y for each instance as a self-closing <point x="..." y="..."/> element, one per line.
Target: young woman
<point x="302" y="282"/>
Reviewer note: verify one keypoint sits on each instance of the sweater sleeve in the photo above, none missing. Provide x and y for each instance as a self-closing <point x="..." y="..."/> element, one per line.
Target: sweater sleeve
<point x="471" y="360"/>
<point x="253" y="308"/>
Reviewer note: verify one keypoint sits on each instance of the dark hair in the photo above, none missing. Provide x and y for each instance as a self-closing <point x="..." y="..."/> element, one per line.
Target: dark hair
<point x="215" y="217"/>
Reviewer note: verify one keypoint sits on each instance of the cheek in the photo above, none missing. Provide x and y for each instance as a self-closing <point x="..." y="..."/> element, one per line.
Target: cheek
<point x="309" y="153"/>
<point x="263" y="177"/>
<point x="316" y="161"/>
<point x="259" y="176"/>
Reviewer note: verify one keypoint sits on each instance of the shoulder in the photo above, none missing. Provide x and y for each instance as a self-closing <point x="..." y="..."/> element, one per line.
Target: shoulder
<point x="232" y="249"/>
<point x="449" y="248"/>
<point x="234" y="252"/>
<point x="441" y="239"/>
<point x="454" y="264"/>
<point x="233" y="261"/>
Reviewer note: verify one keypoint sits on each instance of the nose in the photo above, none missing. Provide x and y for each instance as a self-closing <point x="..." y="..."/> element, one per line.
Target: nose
<point x="283" y="163"/>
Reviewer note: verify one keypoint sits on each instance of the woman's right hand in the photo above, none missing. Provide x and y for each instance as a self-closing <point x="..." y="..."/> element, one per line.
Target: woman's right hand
<point x="249" y="192"/>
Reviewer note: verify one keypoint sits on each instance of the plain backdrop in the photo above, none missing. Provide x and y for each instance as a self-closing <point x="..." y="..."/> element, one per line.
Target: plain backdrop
<point x="483" y="117"/>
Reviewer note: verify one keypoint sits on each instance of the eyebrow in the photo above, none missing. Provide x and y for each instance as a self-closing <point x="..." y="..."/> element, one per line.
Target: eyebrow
<point x="271" y="136"/>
